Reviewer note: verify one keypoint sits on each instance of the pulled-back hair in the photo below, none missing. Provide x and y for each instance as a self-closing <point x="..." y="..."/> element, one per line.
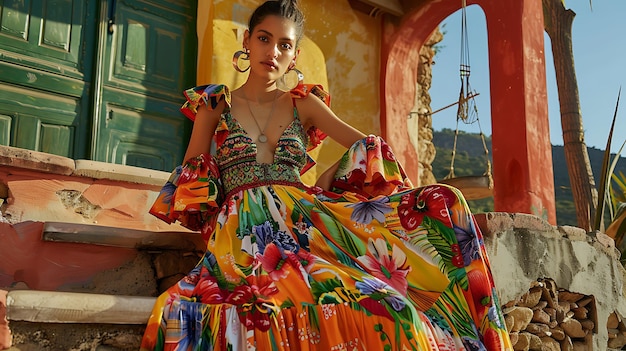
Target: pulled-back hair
<point x="282" y="8"/>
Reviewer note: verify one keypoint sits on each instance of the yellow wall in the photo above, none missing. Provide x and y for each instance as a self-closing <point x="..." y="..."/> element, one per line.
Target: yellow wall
<point x="341" y="51"/>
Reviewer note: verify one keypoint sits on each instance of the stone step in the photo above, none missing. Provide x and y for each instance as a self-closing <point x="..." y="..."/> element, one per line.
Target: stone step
<point x="29" y="336"/>
<point x="49" y="163"/>
<point x="121" y="237"/>
<point x="64" y="307"/>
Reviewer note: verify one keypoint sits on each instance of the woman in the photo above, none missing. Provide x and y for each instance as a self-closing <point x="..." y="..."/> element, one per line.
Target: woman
<point x="360" y="261"/>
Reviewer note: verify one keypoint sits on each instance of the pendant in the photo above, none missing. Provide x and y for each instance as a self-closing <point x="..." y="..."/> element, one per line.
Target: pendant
<point x="262" y="138"/>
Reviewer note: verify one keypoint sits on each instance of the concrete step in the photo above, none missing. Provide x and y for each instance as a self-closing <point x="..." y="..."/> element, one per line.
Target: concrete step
<point x="121" y="237"/>
<point x="65" y="307"/>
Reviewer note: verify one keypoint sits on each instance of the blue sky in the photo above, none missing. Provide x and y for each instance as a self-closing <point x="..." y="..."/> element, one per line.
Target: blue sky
<point x="599" y="43"/>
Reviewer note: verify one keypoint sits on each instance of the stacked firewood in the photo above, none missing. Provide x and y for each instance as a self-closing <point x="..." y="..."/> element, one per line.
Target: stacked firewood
<point x="617" y="332"/>
<point x="550" y="319"/>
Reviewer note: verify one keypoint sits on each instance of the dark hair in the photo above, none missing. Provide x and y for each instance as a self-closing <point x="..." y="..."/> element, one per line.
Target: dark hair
<point x="282" y="8"/>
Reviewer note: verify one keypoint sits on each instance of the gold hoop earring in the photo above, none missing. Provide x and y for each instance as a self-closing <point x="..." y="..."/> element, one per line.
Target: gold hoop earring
<point x="290" y="81"/>
<point x="236" y="57"/>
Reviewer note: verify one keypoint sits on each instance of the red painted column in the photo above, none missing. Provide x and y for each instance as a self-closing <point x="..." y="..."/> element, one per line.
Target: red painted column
<point x="398" y="78"/>
<point x="399" y="59"/>
<point x="522" y="158"/>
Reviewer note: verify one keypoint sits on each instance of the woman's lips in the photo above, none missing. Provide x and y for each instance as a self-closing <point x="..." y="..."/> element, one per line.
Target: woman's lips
<point x="270" y="65"/>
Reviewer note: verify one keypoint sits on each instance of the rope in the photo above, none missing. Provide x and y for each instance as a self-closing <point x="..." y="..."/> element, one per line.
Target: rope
<point x="467" y="111"/>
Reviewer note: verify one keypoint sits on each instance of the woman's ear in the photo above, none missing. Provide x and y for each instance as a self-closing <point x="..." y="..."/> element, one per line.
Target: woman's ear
<point x="246" y="39"/>
<point x="295" y="58"/>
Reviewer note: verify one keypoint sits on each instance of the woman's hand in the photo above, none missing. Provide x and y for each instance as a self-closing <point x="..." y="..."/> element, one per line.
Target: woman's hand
<point x="325" y="181"/>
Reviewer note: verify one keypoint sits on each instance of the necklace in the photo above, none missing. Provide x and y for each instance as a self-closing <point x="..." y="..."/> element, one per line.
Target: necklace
<point x="262" y="137"/>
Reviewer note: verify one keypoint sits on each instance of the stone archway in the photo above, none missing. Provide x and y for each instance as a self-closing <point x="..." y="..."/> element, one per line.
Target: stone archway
<point x="522" y="160"/>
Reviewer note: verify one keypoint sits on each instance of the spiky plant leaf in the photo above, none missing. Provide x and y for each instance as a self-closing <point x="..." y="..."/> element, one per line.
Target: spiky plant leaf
<point x="604" y="173"/>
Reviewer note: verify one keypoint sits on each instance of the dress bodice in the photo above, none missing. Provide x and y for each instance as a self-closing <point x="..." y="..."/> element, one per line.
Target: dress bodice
<point x="236" y="155"/>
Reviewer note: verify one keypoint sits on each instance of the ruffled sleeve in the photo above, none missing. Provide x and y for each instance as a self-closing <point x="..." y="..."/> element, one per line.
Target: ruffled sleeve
<point x="209" y="95"/>
<point x="192" y="195"/>
<point x="370" y="168"/>
<point x="315" y="136"/>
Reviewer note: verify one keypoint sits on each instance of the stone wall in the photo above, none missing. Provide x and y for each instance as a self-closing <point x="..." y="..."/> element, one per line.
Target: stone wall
<point x="562" y="288"/>
<point x="420" y="118"/>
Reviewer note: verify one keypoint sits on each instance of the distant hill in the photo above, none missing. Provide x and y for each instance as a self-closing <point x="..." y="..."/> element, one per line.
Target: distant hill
<point x="470" y="160"/>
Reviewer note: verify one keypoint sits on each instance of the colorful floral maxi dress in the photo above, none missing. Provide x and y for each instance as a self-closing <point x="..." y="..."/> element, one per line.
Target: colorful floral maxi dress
<point x="373" y="265"/>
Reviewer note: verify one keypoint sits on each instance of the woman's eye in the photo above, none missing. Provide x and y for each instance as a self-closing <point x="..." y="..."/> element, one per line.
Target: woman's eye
<point x="263" y="38"/>
<point x="286" y="46"/>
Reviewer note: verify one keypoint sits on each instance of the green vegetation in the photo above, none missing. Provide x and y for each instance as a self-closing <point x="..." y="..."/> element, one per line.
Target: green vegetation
<point x="470" y="160"/>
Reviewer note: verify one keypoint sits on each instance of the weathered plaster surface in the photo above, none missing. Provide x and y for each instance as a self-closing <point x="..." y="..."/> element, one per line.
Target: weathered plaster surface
<point x="76" y="199"/>
<point x="93" y="193"/>
<point x="524" y="248"/>
<point x="49" y="266"/>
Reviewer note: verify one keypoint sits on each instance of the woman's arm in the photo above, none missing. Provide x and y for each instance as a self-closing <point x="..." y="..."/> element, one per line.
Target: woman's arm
<point x="314" y="112"/>
<point x="317" y="113"/>
<point x="203" y="128"/>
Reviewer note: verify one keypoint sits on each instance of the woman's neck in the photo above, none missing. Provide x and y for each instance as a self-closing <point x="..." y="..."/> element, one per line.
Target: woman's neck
<point x="259" y="91"/>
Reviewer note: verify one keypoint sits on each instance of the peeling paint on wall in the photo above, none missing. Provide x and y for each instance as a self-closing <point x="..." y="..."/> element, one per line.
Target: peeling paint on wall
<point x="75" y="201"/>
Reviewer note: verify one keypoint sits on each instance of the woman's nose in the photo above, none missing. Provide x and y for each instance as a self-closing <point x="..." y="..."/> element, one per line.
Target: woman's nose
<point x="273" y="51"/>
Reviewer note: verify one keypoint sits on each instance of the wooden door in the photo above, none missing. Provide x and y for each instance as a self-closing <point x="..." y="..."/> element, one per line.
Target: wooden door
<point x="149" y="59"/>
<point x="45" y="74"/>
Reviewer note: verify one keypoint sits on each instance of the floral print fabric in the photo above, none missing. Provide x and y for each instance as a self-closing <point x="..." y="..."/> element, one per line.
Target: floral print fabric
<point x="373" y="265"/>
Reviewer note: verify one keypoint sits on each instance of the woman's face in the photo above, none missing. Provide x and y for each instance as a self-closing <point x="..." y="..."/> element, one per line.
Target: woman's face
<point x="272" y="46"/>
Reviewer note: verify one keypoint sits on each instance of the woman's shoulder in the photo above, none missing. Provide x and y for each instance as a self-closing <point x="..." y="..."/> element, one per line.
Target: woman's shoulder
<point x="210" y="95"/>
<point x="303" y="91"/>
